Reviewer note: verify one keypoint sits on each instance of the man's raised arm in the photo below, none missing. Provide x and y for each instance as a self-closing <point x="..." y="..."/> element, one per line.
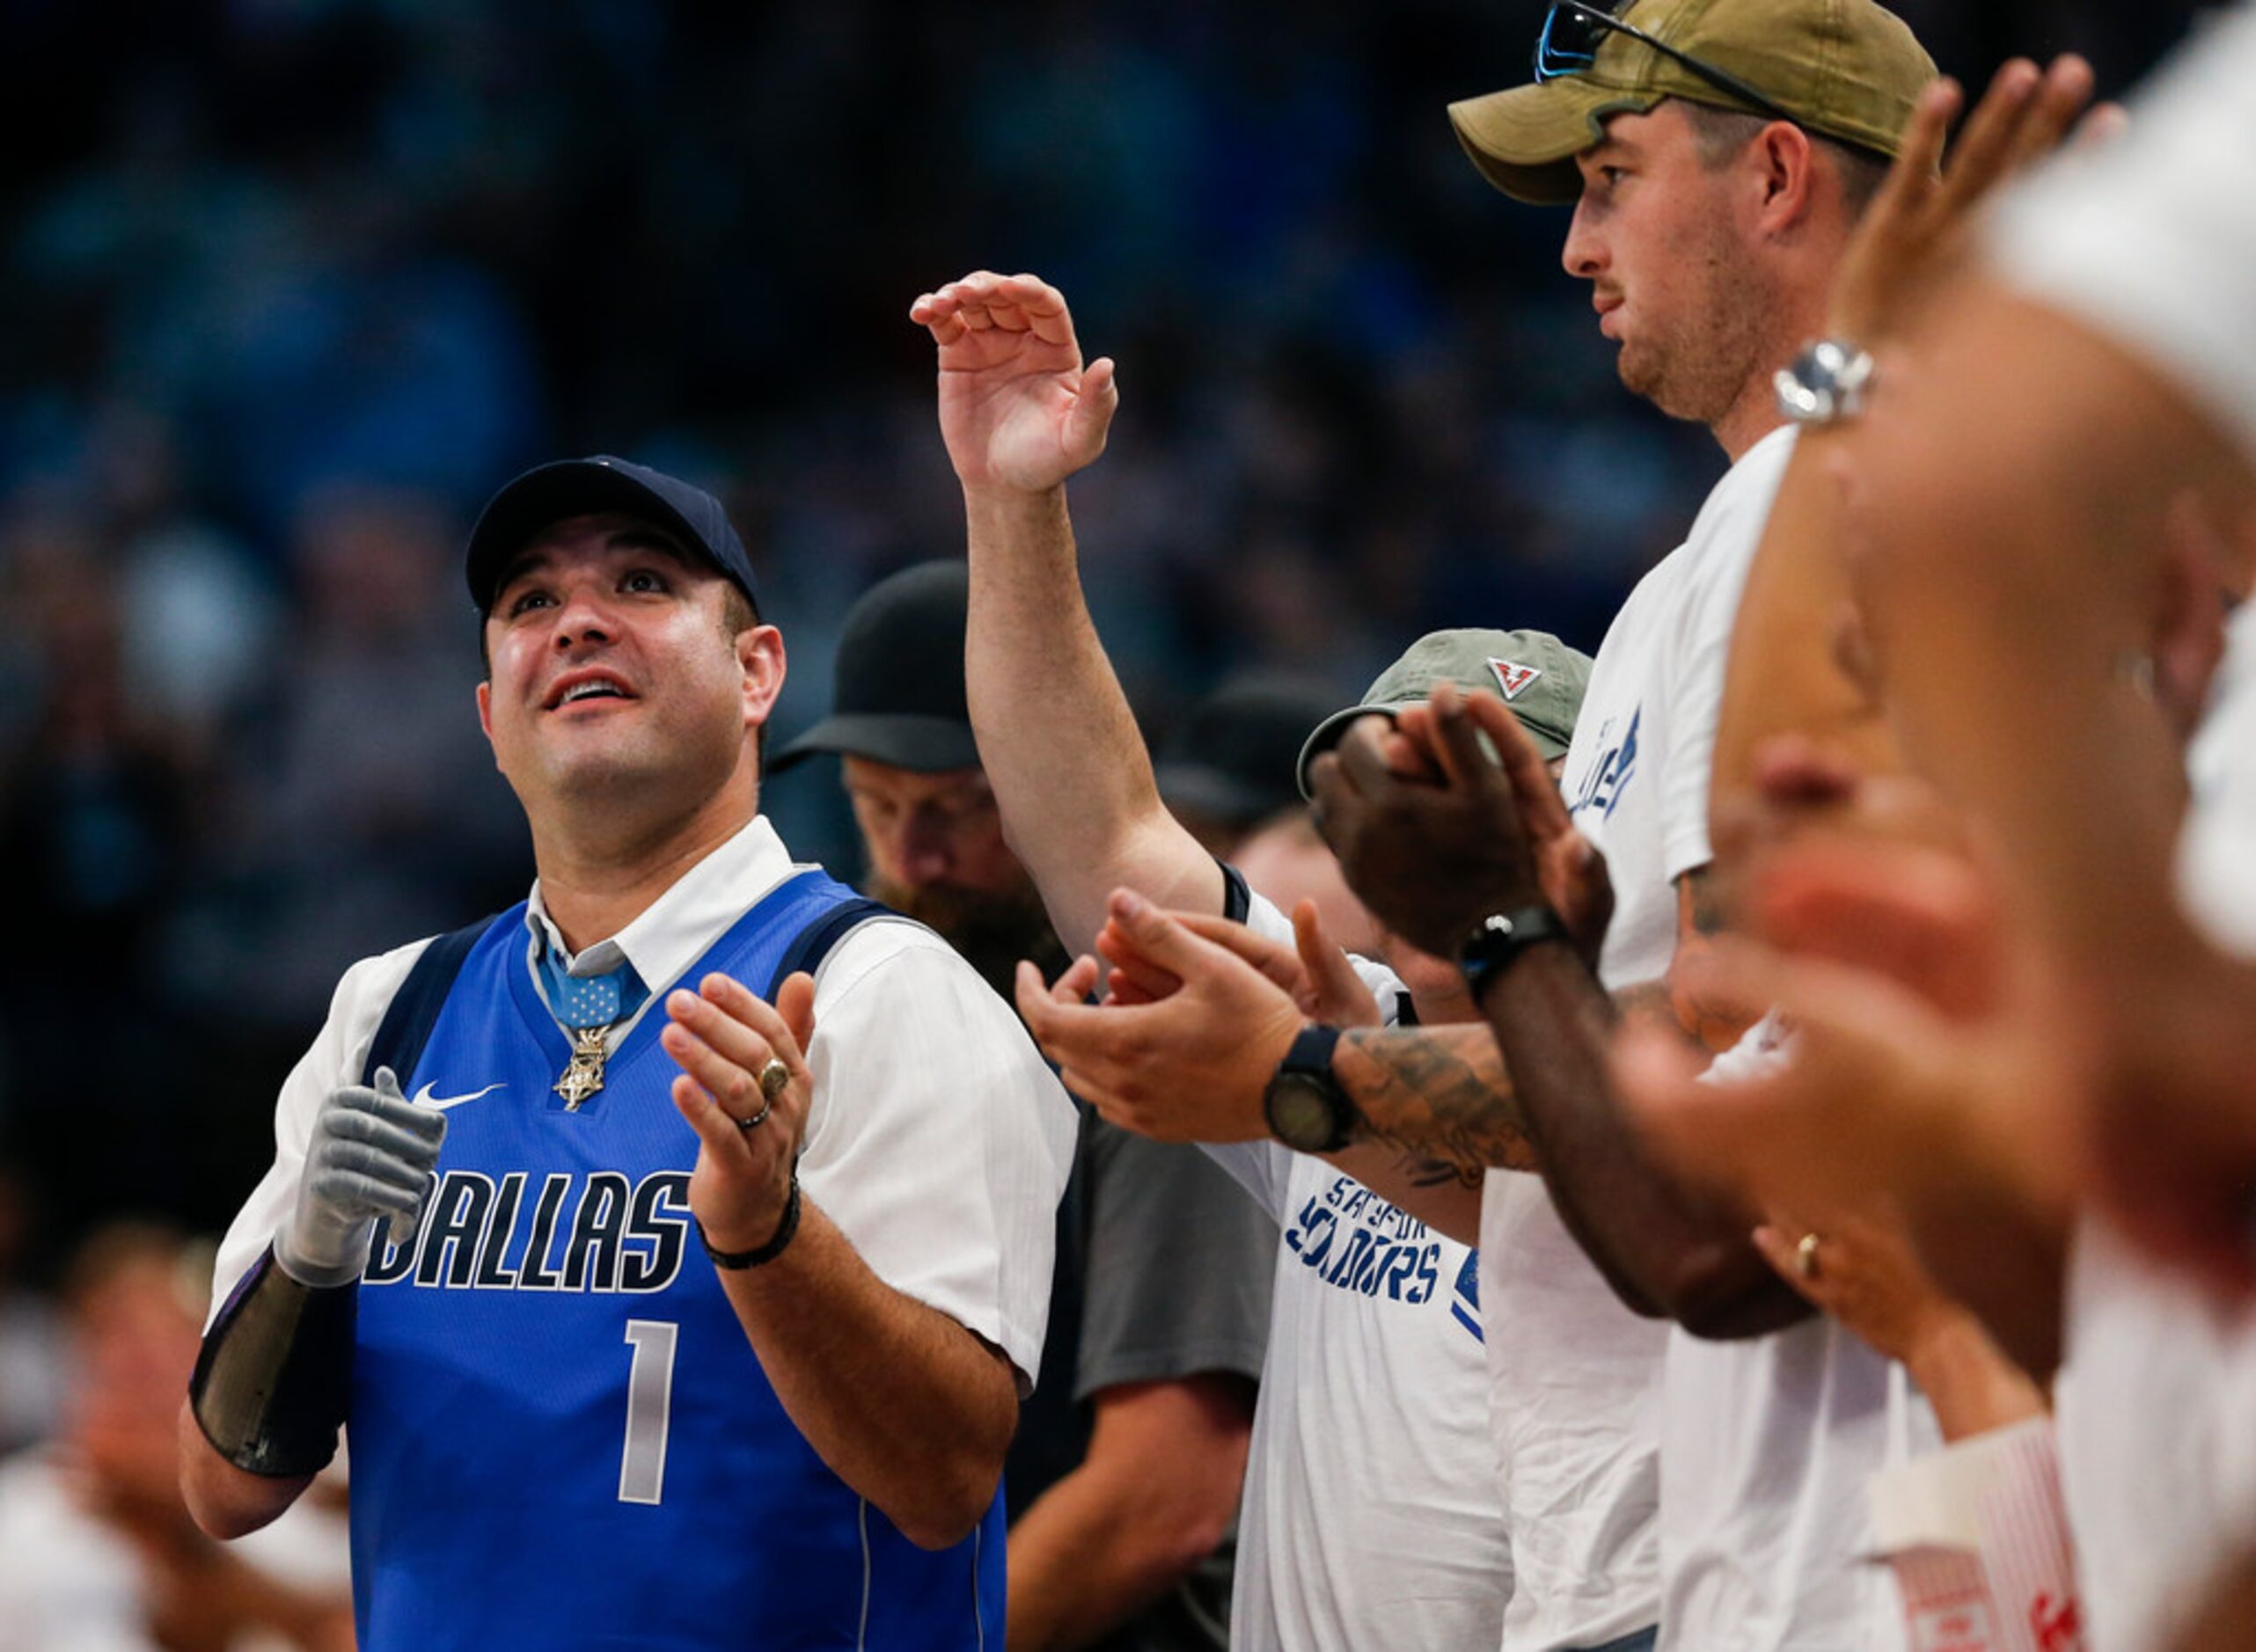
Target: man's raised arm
<point x="1020" y="413"/>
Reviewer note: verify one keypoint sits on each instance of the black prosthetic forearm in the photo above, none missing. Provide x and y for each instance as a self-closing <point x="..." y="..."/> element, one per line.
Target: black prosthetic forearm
<point x="272" y="1383"/>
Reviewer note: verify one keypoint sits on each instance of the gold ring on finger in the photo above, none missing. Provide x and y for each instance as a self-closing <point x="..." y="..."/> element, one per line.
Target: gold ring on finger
<point x="773" y="1076"/>
<point x="1806" y="1256"/>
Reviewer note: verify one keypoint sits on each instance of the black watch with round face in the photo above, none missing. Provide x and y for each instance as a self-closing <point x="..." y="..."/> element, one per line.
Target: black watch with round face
<point x="1306" y="1110"/>
<point x="1501" y="938"/>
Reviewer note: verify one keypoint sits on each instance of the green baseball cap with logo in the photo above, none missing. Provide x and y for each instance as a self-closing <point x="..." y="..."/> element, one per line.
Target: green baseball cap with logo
<point x="1847" y="69"/>
<point x="1539" y="677"/>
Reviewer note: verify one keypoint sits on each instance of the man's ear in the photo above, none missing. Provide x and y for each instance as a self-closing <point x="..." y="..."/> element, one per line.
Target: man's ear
<point x="1787" y="161"/>
<point x="486" y="708"/>
<point x="759" y="655"/>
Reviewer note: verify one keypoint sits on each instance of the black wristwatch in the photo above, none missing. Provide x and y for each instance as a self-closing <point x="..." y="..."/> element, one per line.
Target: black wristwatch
<point x="1503" y="938"/>
<point x="1306" y="1110"/>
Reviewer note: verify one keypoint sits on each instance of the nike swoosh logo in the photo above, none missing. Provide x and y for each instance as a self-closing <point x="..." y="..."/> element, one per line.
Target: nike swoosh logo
<point x="441" y="1103"/>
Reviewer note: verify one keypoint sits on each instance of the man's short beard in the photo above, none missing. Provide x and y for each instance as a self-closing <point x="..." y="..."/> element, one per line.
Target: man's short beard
<point x="1698" y="371"/>
<point x="991" y="932"/>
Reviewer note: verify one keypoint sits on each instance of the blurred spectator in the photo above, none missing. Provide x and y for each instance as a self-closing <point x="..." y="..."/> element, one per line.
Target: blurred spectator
<point x="94" y="818"/>
<point x="373" y="813"/>
<point x="97" y="1551"/>
<point x="30" y="1355"/>
<point x="1229" y="767"/>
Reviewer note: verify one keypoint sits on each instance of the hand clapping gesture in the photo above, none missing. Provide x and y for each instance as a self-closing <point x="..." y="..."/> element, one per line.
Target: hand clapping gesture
<point x="1434" y="836"/>
<point x="745" y="1089"/>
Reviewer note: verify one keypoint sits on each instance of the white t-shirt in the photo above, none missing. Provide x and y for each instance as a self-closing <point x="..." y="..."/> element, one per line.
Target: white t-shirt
<point x="1371" y="1518"/>
<point x="1636" y="775"/>
<point x="2157" y="1399"/>
<point x="1574" y="1381"/>
<point x="937" y="1139"/>
<point x="1767" y="1444"/>
<point x="1767" y="1448"/>
<point x="2151" y="238"/>
<point x="1575" y="1376"/>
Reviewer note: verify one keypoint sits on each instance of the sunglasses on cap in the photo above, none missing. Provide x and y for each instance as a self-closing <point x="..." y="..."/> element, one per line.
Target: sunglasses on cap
<point x="1573" y="31"/>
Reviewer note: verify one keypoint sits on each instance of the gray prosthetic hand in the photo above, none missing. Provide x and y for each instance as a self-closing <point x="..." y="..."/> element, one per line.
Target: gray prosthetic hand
<point x="370" y="1158"/>
<point x="274" y="1377"/>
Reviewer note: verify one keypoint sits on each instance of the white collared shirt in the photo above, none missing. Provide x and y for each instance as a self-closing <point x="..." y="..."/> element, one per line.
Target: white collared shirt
<point x="937" y="1140"/>
<point x="673" y="932"/>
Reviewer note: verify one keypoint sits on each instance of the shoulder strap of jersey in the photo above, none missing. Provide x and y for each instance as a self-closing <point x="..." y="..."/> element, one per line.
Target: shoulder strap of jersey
<point x="813" y="943"/>
<point x="414" y="1009"/>
<point x="1237" y="898"/>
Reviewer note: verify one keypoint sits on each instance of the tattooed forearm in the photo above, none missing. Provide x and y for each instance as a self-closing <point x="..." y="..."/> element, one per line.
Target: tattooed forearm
<point x="1435" y="1093"/>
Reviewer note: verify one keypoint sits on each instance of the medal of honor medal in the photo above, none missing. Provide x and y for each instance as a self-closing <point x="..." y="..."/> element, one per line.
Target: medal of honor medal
<point x="583" y="1074"/>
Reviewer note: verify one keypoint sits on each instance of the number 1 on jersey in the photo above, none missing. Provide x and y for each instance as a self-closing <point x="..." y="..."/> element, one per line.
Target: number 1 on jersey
<point x="649" y="1401"/>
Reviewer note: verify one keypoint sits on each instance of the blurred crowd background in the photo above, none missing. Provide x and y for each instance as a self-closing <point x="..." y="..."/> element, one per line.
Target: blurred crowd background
<point x="290" y="285"/>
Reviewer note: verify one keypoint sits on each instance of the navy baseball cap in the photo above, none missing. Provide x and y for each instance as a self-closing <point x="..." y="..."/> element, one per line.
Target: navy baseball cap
<point x="548" y="493"/>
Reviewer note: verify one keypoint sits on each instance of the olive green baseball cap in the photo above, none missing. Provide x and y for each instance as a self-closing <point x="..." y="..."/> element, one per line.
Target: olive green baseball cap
<point x="1539" y="677"/>
<point x="1847" y="69"/>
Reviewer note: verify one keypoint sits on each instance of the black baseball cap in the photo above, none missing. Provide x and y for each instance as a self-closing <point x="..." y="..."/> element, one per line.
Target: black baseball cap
<point x="548" y="493"/>
<point x="1235" y="757"/>
<point x="896" y="694"/>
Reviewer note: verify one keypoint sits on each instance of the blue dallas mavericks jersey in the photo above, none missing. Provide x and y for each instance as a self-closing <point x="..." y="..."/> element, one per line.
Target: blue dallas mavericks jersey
<point x="559" y="1437"/>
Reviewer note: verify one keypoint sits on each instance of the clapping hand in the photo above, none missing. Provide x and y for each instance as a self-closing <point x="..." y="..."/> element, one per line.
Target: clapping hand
<point x="1435" y="835"/>
<point x="1314" y="969"/>
<point x="744" y="1088"/>
<point x="1923" y="1050"/>
<point x="1189" y="1065"/>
